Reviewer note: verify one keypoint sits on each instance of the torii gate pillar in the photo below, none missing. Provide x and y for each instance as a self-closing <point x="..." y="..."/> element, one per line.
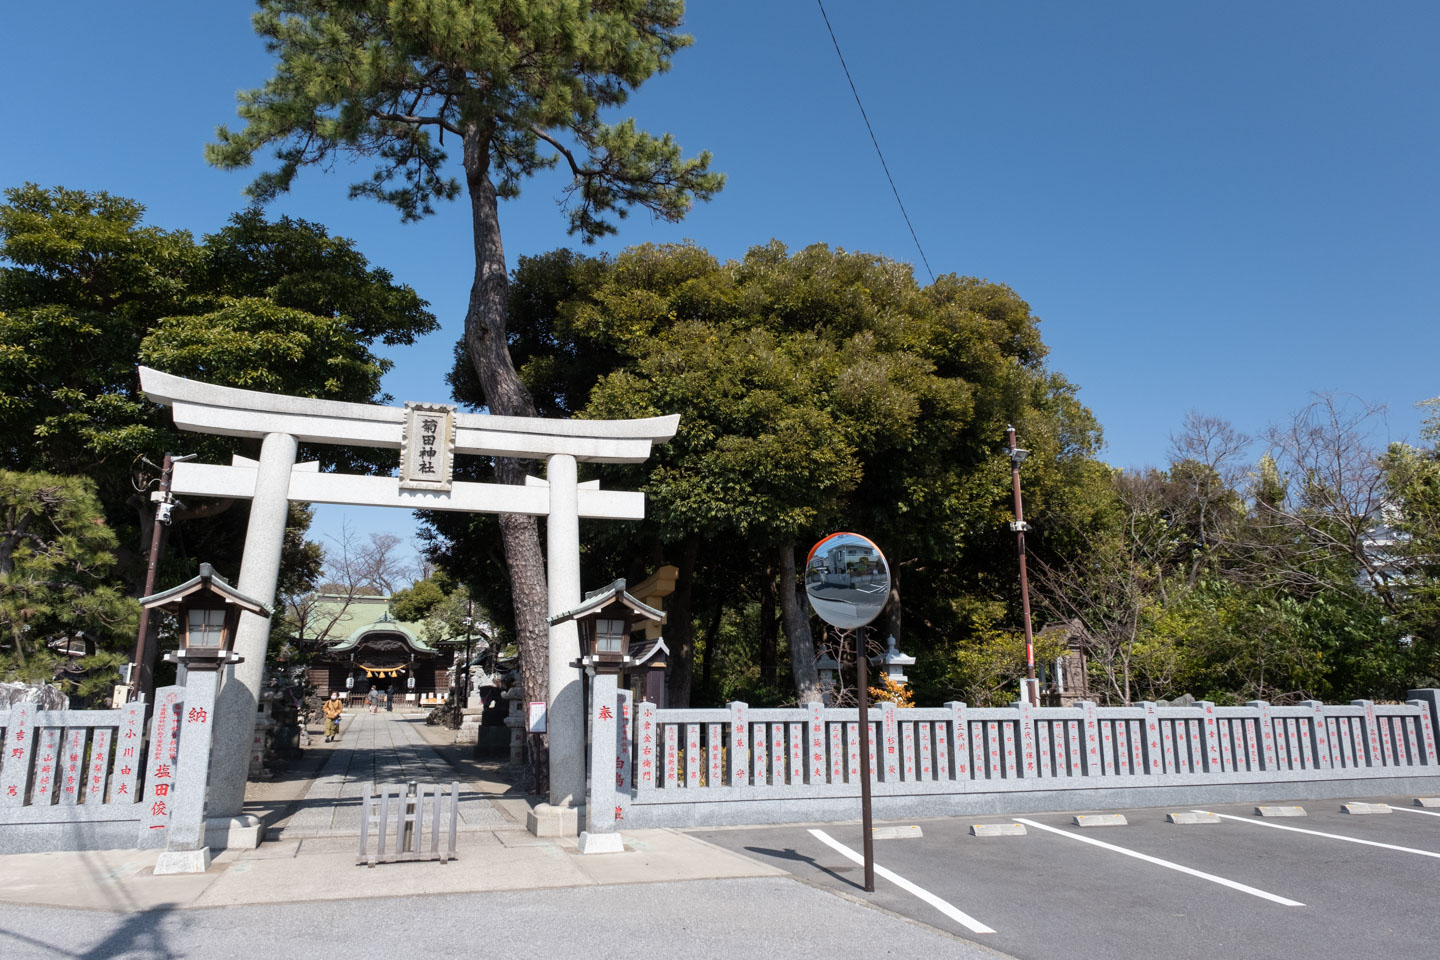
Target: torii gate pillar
<point x="566" y="711"/>
<point x="236" y="705"/>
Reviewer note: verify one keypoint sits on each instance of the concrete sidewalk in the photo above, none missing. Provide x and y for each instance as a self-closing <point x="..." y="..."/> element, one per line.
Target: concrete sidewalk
<point x="323" y="868"/>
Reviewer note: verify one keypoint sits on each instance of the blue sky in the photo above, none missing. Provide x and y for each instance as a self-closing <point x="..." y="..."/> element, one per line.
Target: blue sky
<point x="1218" y="207"/>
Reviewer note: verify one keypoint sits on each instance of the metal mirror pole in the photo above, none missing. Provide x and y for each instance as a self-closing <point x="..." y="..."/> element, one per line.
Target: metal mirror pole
<point x="866" y="820"/>
<point x="848" y="583"/>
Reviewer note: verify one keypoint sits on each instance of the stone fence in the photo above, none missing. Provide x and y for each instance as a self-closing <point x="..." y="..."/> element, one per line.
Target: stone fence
<point x="741" y="765"/>
<point x="89" y="779"/>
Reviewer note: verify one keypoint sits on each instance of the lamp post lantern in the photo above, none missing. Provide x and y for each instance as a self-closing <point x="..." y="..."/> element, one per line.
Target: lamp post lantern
<point x="208" y="609"/>
<point x="604" y="621"/>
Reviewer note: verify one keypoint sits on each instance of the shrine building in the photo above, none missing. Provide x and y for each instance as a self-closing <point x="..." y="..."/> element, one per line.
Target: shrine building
<point x="363" y="647"/>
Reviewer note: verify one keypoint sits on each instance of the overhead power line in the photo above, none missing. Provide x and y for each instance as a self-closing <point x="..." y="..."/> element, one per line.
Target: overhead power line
<point x="878" y="151"/>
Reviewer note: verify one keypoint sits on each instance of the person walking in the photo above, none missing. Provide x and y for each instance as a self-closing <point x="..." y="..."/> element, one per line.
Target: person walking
<point x="332" y="710"/>
<point x="372" y="699"/>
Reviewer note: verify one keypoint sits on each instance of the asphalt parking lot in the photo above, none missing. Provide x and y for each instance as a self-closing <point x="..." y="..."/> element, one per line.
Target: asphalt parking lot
<point x="1329" y="884"/>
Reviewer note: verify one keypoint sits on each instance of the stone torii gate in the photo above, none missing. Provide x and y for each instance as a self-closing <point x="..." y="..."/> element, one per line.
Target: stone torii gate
<point x="281" y="422"/>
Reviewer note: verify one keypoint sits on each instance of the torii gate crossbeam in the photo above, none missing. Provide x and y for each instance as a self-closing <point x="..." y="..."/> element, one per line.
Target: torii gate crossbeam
<point x="281" y="422"/>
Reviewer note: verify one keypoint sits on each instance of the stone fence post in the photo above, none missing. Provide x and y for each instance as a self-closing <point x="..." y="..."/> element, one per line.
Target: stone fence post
<point x="1429" y="703"/>
<point x="600" y="835"/>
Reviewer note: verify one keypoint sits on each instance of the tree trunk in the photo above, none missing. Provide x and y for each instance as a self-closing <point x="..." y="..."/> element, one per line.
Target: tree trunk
<point x="795" y="614"/>
<point x="487" y="343"/>
<point x="679" y="627"/>
<point x="769" y="631"/>
<point x="712" y="641"/>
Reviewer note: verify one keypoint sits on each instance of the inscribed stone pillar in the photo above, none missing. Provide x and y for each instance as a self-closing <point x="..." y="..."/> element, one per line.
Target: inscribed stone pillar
<point x="187" y="809"/>
<point x="600" y="810"/>
<point x="259" y="571"/>
<point x="565" y="718"/>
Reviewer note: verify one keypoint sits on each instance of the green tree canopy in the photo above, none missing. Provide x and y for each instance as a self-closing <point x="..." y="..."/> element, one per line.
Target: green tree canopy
<point x="56" y="555"/>
<point x="816" y="388"/>
<point x="88" y="290"/>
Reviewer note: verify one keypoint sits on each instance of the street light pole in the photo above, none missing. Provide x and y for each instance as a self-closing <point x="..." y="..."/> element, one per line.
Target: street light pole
<point x="143" y="679"/>
<point x="1017" y="457"/>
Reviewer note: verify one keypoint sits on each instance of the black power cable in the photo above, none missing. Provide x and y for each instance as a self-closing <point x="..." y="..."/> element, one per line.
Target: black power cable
<point x="878" y="151"/>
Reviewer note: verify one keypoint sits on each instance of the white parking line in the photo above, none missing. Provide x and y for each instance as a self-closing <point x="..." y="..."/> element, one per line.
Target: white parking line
<point x="1331" y="836"/>
<point x="959" y="916"/>
<point x="1428" y="813"/>
<point x="1233" y="885"/>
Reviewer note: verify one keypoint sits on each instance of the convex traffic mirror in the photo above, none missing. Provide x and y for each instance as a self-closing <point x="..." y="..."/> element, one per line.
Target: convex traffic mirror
<point x="847" y="580"/>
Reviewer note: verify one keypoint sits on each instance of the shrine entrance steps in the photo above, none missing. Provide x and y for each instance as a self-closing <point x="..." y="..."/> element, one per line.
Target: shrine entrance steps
<point x="375" y="749"/>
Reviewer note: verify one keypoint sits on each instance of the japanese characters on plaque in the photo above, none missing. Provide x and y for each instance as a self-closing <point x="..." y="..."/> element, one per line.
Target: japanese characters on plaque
<point x="16" y="767"/>
<point x="646" y="777"/>
<point x="739" y="752"/>
<point x="427" y="448"/>
<point x="623" y="760"/>
<point x="127" y="753"/>
<point x="74" y="761"/>
<point x="164" y="736"/>
<point x="99" y="766"/>
<point x="46" y="771"/>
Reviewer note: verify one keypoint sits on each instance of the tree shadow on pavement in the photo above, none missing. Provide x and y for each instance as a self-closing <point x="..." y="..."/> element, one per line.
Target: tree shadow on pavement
<point x="139" y="935"/>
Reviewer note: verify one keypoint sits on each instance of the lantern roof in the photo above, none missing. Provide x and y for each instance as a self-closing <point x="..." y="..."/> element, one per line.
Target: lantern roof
<point x="207" y="581"/>
<point x="597" y="600"/>
<point x="654" y="650"/>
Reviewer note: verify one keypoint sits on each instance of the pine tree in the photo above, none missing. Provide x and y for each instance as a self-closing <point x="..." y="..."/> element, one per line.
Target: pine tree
<point x="520" y="88"/>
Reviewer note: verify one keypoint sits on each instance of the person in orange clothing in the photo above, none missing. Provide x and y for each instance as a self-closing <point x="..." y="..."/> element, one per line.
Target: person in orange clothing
<point x="332" y="709"/>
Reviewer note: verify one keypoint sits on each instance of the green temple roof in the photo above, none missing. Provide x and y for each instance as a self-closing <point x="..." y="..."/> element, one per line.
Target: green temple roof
<point x="367" y="616"/>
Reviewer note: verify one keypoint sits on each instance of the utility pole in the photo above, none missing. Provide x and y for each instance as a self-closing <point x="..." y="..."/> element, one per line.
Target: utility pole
<point x="1017" y="457"/>
<point x="142" y="678"/>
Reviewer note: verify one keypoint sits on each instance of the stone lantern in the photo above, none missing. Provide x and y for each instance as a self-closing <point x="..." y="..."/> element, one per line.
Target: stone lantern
<point x="828" y="667"/>
<point x="604" y="621"/>
<point x="209" y="611"/>
<point x="894" y="663"/>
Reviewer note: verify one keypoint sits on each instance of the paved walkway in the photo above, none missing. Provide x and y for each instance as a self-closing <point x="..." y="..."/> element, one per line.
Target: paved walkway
<point x="373" y="749"/>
